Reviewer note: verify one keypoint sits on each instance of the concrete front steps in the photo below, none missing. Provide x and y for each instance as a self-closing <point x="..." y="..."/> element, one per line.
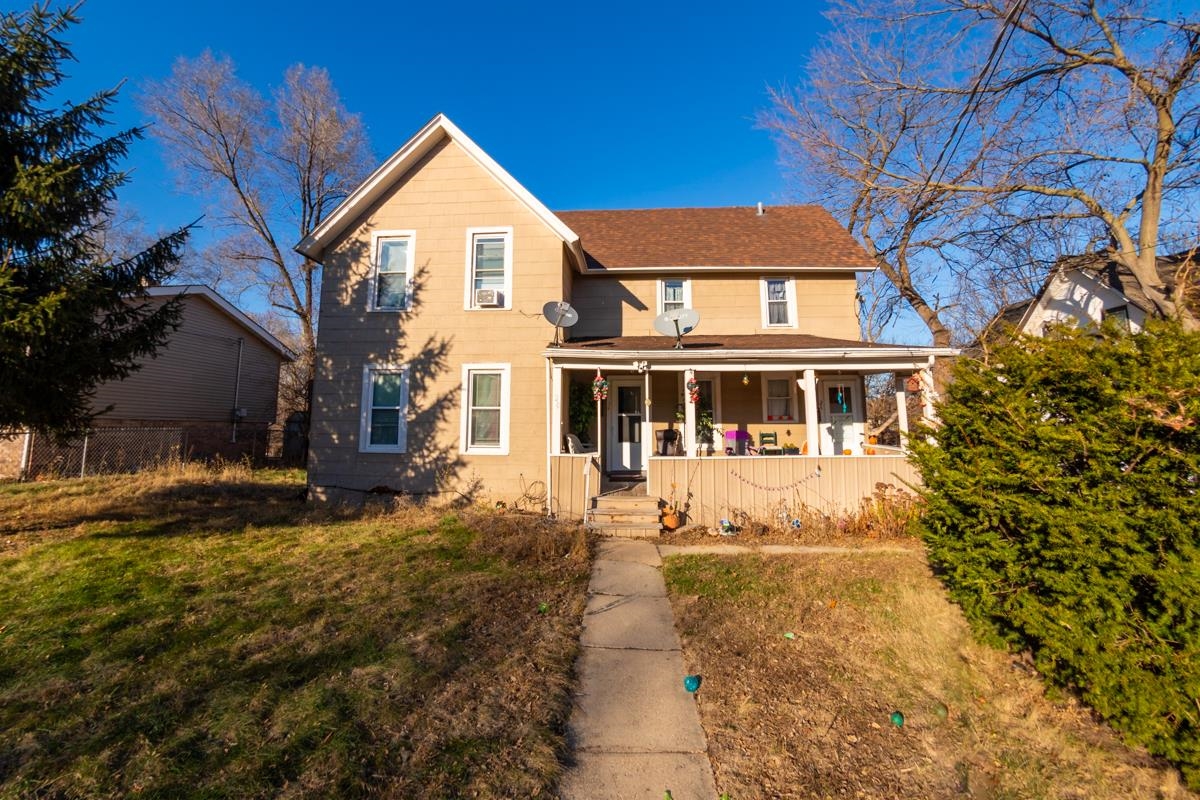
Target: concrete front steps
<point x="633" y="516"/>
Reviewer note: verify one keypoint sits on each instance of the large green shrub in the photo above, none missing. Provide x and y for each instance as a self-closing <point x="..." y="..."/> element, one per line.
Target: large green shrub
<point x="1063" y="490"/>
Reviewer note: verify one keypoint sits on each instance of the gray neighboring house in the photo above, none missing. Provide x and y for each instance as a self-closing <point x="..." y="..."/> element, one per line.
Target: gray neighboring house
<point x="210" y="391"/>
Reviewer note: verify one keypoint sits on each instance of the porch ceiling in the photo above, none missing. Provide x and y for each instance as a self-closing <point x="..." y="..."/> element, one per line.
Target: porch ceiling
<point x="762" y="349"/>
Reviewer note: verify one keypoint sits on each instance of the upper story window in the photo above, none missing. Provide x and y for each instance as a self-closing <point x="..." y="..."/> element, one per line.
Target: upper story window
<point x="384" y="412"/>
<point x="674" y="293"/>
<point x="392" y="269"/>
<point x="778" y="303"/>
<point x="489" y="268"/>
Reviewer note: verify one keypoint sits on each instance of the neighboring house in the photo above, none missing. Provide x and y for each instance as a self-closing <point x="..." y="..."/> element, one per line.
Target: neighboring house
<point x="209" y="391"/>
<point x="436" y="373"/>
<point x="1087" y="289"/>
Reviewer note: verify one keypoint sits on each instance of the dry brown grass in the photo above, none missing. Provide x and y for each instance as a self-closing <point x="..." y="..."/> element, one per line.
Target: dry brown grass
<point x="809" y="717"/>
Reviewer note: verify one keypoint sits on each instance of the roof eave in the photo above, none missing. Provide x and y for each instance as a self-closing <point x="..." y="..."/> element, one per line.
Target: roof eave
<point x="314" y="245"/>
<point x="727" y="268"/>
<point x="915" y="353"/>
<point x="230" y="309"/>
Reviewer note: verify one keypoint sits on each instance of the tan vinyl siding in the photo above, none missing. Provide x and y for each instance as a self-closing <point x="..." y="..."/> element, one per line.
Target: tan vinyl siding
<point x="193" y="376"/>
<point x="728" y="304"/>
<point x="439" y="199"/>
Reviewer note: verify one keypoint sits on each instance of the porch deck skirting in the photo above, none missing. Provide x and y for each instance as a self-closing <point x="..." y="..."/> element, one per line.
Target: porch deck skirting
<point x="766" y="486"/>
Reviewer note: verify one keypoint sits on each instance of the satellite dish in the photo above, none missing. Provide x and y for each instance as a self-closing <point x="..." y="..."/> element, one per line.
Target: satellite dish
<point x="677" y="322"/>
<point x="559" y="314"/>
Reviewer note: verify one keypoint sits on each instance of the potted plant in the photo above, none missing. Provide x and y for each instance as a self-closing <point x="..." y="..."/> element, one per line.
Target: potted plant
<point x="671" y="516"/>
<point x="791" y="449"/>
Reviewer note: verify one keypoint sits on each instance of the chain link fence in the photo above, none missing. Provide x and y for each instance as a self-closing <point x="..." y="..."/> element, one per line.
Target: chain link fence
<point x="110" y="450"/>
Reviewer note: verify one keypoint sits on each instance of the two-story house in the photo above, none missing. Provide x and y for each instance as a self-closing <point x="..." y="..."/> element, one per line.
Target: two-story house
<point x="437" y="373"/>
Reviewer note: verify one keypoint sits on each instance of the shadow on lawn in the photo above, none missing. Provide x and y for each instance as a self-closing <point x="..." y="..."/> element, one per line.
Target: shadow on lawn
<point x="157" y="505"/>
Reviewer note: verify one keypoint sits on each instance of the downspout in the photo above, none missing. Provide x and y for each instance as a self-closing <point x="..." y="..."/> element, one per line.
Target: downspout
<point x="237" y="388"/>
<point x="549" y="446"/>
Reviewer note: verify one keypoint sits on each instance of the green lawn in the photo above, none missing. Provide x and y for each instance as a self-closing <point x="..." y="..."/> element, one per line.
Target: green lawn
<point x="208" y="635"/>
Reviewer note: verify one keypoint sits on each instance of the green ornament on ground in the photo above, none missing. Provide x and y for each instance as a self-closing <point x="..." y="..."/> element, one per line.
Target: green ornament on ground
<point x="543" y="608"/>
<point x="789" y="636"/>
<point x="897" y="719"/>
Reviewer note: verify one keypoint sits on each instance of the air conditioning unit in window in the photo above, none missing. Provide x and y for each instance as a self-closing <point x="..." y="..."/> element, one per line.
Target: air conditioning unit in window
<point x="489" y="298"/>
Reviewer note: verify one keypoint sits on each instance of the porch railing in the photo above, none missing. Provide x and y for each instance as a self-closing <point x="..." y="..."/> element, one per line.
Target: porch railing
<point x="576" y="478"/>
<point x="766" y="487"/>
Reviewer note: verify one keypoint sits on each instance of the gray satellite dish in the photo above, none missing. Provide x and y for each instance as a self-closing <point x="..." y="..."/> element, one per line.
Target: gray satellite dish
<point x="677" y="322"/>
<point x="559" y="314"/>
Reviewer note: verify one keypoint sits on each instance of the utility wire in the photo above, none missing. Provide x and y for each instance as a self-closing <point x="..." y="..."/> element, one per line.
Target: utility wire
<point x="974" y="97"/>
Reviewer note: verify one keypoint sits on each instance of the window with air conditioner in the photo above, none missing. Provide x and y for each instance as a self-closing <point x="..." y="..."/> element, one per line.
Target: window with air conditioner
<point x="489" y="268"/>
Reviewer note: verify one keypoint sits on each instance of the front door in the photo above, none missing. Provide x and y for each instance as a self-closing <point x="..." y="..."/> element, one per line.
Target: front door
<point x="625" y="426"/>
<point x="841" y="410"/>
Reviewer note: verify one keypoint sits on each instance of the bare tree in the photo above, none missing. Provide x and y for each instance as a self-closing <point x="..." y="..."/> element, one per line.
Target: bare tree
<point x="278" y="168"/>
<point x="852" y="141"/>
<point x="970" y="142"/>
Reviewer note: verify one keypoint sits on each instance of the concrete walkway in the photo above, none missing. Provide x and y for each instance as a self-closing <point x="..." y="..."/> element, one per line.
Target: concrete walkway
<point x="635" y="731"/>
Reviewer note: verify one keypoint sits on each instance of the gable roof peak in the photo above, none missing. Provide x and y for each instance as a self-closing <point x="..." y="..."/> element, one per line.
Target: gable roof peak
<point x="399" y="163"/>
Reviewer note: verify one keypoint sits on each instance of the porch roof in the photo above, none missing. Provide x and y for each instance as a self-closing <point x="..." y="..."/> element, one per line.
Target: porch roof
<point x="777" y="348"/>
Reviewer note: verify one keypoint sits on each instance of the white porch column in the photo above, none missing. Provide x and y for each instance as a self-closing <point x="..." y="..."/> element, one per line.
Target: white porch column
<point x="689" y="414"/>
<point x="928" y="397"/>
<point x="647" y="427"/>
<point x="901" y="409"/>
<point x="812" y="430"/>
<point x="556" y="410"/>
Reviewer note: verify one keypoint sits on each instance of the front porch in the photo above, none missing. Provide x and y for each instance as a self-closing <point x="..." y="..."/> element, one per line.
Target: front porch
<point x="756" y="430"/>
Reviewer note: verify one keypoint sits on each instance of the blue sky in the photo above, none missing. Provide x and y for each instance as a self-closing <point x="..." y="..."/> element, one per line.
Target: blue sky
<point x="614" y="105"/>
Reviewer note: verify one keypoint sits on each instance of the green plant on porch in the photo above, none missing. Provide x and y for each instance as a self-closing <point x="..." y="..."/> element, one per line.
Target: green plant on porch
<point x="581" y="411"/>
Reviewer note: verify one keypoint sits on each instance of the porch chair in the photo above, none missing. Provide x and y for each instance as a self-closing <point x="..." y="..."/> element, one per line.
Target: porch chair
<point x="576" y="447"/>
<point x="768" y="444"/>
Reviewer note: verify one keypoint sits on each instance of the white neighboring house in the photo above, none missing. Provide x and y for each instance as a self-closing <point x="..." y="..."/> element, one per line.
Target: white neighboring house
<point x="1088" y="289"/>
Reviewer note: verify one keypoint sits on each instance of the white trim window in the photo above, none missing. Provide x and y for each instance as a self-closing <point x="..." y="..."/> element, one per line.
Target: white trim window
<point x="778" y="302"/>
<point x="485" y="409"/>
<point x="391" y="269"/>
<point x="673" y="293"/>
<point x="779" y="397"/>
<point x="489" y="267"/>
<point x="383" y="427"/>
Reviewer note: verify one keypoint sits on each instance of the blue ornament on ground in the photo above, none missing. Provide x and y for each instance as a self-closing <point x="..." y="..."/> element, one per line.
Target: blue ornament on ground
<point x="692" y="682"/>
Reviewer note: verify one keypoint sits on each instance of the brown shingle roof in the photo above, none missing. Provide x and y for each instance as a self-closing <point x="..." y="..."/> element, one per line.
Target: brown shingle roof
<point x="1116" y="275"/>
<point x="804" y="237"/>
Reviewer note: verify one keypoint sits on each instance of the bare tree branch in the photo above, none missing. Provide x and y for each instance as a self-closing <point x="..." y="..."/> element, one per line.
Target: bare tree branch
<point x="280" y="168"/>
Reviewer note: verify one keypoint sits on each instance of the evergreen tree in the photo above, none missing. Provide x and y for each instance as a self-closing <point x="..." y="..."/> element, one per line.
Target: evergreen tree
<point x="70" y="315"/>
<point x="1063" y="513"/>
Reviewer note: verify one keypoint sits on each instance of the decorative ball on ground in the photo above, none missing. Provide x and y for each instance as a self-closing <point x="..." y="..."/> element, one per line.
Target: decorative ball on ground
<point x="897" y="719"/>
<point x="543" y="608"/>
<point x="692" y="682"/>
